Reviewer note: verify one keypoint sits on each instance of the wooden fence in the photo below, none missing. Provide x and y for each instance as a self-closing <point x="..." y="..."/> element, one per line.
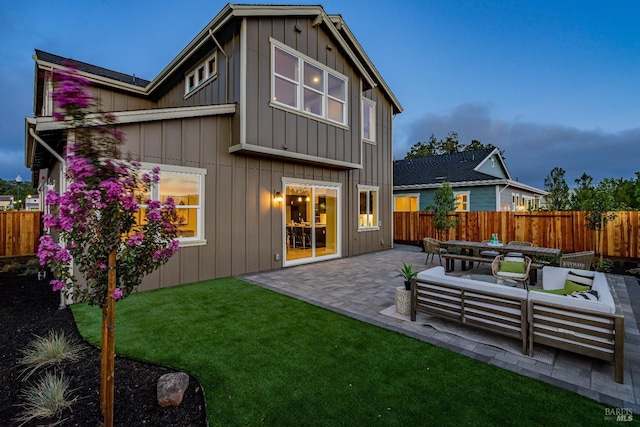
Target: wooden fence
<point x="565" y="230"/>
<point x="19" y="233"/>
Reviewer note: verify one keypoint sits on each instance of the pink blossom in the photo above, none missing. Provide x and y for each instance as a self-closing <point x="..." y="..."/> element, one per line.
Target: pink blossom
<point x="57" y="284"/>
<point x="135" y="239"/>
<point x="117" y="294"/>
<point x="103" y="266"/>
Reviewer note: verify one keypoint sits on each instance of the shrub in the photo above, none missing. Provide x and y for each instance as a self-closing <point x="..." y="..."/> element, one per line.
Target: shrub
<point x="46" y="399"/>
<point x="53" y="349"/>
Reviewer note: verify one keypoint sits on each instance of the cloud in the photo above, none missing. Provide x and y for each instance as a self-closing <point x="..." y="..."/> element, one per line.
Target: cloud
<point x="531" y="149"/>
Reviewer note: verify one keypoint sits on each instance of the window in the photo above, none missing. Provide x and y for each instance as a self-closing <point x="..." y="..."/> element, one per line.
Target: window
<point x="406" y="203"/>
<point x="186" y="187"/>
<point x="462" y="201"/>
<point x="368" y="208"/>
<point x="307" y="86"/>
<point x="368" y="120"/>
<point x="200" y="75"/>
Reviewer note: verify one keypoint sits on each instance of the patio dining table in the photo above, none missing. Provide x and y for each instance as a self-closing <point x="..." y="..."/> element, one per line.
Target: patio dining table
<point x="470" y="246"/>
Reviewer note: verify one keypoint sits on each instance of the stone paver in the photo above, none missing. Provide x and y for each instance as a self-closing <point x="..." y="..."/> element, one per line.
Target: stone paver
<point x="362" y="286"/>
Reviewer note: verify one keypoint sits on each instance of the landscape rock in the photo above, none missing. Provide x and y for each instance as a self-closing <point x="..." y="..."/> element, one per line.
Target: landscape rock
<point x="171" y="388"/>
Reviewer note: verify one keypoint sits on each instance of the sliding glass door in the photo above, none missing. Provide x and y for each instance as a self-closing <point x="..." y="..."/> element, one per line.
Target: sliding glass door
<point x="311" y="216"/>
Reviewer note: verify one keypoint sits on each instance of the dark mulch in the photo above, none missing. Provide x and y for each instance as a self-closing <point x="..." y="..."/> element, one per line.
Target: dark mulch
<point x="28" y="307"/>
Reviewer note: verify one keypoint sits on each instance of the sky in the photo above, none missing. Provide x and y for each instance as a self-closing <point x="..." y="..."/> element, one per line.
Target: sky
<point x="551" y="83"/>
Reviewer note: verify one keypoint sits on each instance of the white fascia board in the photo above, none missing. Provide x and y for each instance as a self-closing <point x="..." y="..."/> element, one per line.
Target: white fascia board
<point x="472" y="184"/>
<point x="495" y="152"/>
<point x="138" y="116"/>
<point x="95" y="78"/>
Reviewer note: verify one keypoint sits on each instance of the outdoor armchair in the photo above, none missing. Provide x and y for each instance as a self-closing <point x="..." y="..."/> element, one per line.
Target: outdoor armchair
<point x="511" y="268"/>
<point x="580" y="260"/>
<point x="432" y="247"/>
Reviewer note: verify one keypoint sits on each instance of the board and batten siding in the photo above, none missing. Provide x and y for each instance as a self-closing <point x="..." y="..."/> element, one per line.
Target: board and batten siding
<point x="281" y="129"/>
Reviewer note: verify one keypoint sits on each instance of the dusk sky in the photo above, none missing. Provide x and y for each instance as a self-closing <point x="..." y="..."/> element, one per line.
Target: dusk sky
<point x="552" y="83"/>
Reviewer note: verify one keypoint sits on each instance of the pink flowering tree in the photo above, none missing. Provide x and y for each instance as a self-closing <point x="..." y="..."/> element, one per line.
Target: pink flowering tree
<point x="98" y="220"/>
<point x="97" y="213"/>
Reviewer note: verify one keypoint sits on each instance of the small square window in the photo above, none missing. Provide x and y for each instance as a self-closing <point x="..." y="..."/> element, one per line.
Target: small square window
<point x="200" y="75"/>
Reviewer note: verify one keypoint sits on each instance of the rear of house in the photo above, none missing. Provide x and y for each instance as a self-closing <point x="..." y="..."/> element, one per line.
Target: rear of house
<point x="273" y="133"/>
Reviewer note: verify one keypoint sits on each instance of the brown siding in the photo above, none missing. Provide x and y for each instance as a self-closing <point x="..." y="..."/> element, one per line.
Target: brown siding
<point x="111" y="100"/>
<point x="272" y="127"/>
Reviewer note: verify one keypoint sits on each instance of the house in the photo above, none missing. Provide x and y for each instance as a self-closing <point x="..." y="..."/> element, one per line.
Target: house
<point x="6" y="202"/>
<point x="273" y="133"/>
<point x="480" y="181"/>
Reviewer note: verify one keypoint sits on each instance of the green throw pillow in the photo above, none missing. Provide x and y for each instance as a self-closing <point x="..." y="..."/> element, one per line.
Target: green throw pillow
<point x="571" y="287"/>
<point x="512" y="267"/>
<point x="551" y="291"/>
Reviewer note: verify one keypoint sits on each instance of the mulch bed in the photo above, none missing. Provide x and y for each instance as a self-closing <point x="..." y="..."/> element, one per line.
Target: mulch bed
<point x="28" y="307"/>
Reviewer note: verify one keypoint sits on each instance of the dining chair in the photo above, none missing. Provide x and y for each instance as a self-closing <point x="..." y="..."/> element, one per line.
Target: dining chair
<point x="432" y="247"/>
<point x="487" y="253"/>
<point x="511" y="268"/>
<point x="579" y="260"/>
<point x="518" y="243"/>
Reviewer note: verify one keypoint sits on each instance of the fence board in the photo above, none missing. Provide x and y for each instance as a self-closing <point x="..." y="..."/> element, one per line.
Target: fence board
<point x="19" y="233"/>
<point x="566" y="230"/>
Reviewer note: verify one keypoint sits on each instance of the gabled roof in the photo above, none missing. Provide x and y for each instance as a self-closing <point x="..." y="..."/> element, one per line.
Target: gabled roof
<point x="46" y="57"/>
<point x="459" y="169"/>
<point x="334" y="25"/>
<point x="456" y="167"/>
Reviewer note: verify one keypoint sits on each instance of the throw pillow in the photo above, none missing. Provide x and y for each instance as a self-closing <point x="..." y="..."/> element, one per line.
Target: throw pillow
<point x="512" y="267"/>
<point x="588" y="295"/>
<point x="570" y="287"/>
<point x="580" y="278"/>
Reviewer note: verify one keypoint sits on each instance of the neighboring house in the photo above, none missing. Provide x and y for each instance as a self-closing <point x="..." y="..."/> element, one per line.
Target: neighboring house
<point x="6" y="202"/>
<point x="273" y="132"/>
<point x="480" y="181"/>
<point x="32" y="203"/>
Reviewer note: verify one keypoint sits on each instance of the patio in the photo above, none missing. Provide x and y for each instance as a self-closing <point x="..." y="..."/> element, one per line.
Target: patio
<point x="362" y="287"/>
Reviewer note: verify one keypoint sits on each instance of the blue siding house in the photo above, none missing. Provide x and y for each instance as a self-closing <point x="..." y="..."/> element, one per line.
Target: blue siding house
<point x="480" y="181"/>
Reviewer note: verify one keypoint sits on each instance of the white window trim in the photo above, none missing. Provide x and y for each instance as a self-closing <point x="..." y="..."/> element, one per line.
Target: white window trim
<point x="193" y="73"/>
<point x="416" y="195"/>
<point x="463" y="193"/>
<point x="369" y="188"/>
<point x="198" y="240"/>
<point x="300" y="87"/>
<point x="372" y="127"/>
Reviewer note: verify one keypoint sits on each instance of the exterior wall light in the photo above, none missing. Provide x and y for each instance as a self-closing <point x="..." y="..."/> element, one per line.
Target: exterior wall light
<point x="277" y="197"/>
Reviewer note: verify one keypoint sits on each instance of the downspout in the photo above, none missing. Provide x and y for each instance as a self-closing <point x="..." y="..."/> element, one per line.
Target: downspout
<point x="63" y="185"/>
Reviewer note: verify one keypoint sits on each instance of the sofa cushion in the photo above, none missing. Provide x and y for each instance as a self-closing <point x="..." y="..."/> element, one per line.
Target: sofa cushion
<point x="551" y="291"/>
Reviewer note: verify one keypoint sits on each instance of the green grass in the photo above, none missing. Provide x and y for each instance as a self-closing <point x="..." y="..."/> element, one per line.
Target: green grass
<point x="265" y="358"/>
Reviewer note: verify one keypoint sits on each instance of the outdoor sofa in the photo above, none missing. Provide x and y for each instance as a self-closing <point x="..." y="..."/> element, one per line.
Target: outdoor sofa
<point x="592" y="328"/>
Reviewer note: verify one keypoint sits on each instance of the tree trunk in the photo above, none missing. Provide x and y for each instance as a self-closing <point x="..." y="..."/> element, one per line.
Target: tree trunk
<point x="108" y="347"/>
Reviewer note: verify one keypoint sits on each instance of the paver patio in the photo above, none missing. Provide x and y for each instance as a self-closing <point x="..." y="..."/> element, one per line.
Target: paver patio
<point x="363" y="286"/>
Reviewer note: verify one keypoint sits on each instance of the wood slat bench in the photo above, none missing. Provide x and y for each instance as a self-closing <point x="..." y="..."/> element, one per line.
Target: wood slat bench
<point x="451" y="258"/>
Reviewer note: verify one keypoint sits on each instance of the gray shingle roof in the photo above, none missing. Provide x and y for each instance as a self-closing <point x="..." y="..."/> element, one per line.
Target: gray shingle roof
<point x="456" y="167"/>
<point x="93" y="69"/>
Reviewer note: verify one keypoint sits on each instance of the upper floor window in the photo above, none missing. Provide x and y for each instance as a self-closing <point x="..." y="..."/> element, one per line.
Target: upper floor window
<point x="305" y="85"/>
<point x="186" y="187"/>
<point x="368" y="120"/>
<point x="462" y="201"/>
<point x="368" y="207"/>
<point x="200" y="74"/>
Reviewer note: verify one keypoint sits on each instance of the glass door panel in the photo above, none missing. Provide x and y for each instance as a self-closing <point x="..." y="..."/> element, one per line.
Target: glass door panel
<point x="311" y="222"/>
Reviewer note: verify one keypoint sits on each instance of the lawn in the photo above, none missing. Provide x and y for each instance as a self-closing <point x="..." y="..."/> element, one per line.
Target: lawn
<point x="265" y="358"/>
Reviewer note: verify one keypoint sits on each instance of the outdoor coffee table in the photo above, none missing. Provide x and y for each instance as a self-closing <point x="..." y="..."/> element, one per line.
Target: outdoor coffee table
<point x="491" y="279"/>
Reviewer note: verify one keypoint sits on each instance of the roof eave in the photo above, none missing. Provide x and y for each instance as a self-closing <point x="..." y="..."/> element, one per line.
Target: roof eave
<point x="508" y="182"/>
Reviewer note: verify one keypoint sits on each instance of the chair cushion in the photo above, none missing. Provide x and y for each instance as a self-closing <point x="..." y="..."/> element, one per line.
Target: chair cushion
<point x="489" y="253"/>
<point x="515" y="254"/>
<point x="512" y="267"/>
